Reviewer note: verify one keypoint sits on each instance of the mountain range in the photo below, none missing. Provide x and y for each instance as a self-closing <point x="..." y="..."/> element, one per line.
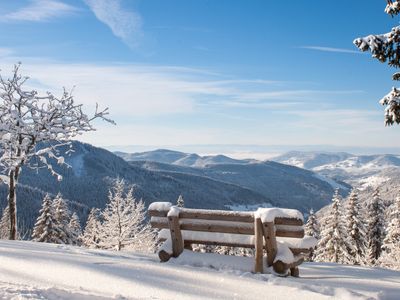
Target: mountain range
<point x="217" y="182"/>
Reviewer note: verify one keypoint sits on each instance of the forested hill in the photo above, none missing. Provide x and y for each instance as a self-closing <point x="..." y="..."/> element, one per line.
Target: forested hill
<point x="218" y="186"/>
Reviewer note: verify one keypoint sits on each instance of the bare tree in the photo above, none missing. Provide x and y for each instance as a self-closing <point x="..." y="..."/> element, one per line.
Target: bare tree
<point x="35" y="126"/>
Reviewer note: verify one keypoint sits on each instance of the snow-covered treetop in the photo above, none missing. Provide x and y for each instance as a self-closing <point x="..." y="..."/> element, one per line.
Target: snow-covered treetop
<point x="386" y="48"/>
<point x="392" y="8"/>
<point x="28" y="119"/>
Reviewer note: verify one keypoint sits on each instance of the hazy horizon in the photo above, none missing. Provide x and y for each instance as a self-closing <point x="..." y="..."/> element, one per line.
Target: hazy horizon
<point x="259" y="152"/>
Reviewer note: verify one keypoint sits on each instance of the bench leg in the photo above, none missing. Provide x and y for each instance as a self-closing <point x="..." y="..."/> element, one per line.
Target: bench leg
<point x="295" y="272"/>
<point x="188" y="246"/>
<point x="176" y="236"/>
<point x="258" y="244"/>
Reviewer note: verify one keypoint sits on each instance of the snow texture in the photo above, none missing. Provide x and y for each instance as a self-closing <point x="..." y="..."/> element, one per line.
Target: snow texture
<point x="31" y="270"/>
<point x="160" y="206"/>
<point x="269" y="214"/>
<point x="174" y="211"/>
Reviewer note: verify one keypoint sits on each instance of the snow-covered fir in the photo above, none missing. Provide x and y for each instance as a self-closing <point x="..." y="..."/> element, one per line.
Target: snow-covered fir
<point x="334" y="244"/>
<point x="91" y="234"/>
<point x="356" y="228"/>
<point x="311" y="228"/>
<point x="390" y="257"/>
<point x="75" y="229"/>
<point x="180" y="202"/>
<point x="62" y="217"/>
<point x="375" y="228"/>
<point x="46" y="229"/>
<point x="124" y="225"/>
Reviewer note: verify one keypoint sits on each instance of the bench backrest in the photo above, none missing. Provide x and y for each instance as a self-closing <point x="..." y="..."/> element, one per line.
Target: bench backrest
<point x="219" y="221"/>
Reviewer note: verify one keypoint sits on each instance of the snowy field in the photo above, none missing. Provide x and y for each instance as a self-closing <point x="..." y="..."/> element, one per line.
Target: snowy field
<point x="46" y="271"/>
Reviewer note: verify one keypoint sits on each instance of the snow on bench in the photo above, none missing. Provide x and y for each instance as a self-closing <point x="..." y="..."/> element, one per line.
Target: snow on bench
<point x="279" y="231"/>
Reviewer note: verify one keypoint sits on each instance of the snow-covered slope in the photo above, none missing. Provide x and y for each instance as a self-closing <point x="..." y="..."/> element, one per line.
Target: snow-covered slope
<point x="31" y="270"/>
<point x="362" y="171"/>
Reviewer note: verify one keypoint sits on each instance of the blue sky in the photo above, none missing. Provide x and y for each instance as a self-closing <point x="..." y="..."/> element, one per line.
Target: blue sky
<point x="198" y="72"/>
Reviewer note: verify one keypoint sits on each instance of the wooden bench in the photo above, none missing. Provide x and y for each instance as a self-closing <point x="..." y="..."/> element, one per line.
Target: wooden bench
<point x="277" y="231"/>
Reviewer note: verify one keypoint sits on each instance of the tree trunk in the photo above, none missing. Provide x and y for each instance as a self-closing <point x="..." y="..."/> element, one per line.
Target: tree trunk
<point x="12" y="204"/>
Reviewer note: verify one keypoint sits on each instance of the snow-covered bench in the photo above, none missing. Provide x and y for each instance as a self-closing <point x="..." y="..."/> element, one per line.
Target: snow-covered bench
<point x="277" y="231"/>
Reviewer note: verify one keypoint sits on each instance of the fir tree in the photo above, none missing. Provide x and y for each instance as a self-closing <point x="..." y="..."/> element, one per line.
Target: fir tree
<point x="386" y="48"/>
<point x="75" y="229"/>
<point x="180" y="202"/>
<point x="391" y="244"/>
<point x="311" y="229"/>
<point x="375" y="228"/>
<point x="5" y="223"/>
<point x="356" y="228"/>
<point x="90" y="237"/>
<point x="62" y="217"/>
<point x="334" y="244"/>
<point x="45" y="229"/>
<point x="124" y="222"/>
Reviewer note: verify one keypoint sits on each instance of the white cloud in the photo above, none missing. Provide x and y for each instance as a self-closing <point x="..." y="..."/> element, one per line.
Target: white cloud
<point x="126" y="25"/>
<point x="174" y="105"/>
<point x="40" y="10"/>
<point x="331" y="49"/>
<point x="6" y="52"/>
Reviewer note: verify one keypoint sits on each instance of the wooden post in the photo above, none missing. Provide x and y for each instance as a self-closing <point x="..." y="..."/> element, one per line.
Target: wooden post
<point x="270" y="242"/>
<point x="258" y="245"/>
<point x="295" y="272"/>
<point x="165" y="251"/>
<point x="176" y="235"/>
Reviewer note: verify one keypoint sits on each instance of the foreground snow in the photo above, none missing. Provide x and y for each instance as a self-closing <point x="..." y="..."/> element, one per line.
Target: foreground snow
<point x="45" y="271"/>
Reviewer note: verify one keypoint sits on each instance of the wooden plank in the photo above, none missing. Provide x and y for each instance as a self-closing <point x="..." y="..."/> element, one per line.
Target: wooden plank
<point x="211" y="226"/>
<point x="157" y="213"/>
<point x="288" y="233"/>
<point x="220" y="215"/>
<point x="298" y="251"/>
<point x="270" y="242"/>
<point x="258" y="244"/>
<point x="176" y="236"/>
<point x="208" y="214"/>
<point x="217" y="243"/>
<point x="288" y="221"/>
<point x="221" y="228"/>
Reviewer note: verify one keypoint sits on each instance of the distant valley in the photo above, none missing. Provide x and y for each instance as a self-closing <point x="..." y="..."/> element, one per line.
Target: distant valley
<point x="365" y="172"/>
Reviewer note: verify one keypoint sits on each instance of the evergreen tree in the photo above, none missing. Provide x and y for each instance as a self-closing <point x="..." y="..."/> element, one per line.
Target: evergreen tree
<point x="90" y="237"/>
<point x="45" y="229"/>
<point x="356" y="228"/>
<point x="5" y="223"/>
<point x="375" y="228"/>
<point x="62" y="217"/>
<point x="124" y="222"/>
<point x="391" y="244"/>
<point x="180" y="202"/>
<point x="334" y="244"/>
<point x="311" y="229"/>
<point x="386" y="48"/>
<point x="75" y="229"/>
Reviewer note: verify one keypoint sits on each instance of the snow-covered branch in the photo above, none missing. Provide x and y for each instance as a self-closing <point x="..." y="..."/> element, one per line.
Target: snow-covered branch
<point x="29" y="120"/>
<point x="392" y="8"/>
<point x="392" y="110"/>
